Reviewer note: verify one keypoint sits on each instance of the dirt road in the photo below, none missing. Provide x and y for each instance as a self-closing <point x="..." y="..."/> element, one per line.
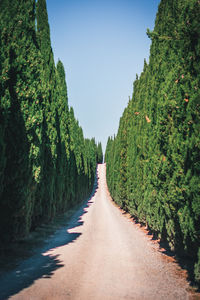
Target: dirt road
<point x="101" y="255"/>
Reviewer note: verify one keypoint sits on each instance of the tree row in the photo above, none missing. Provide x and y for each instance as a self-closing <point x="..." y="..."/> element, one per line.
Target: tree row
<point x="153" y="163"/>
<point x="46" y="164"/>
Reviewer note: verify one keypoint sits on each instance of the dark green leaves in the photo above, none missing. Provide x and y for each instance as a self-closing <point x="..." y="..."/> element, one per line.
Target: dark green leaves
<point x="153" y="163"/>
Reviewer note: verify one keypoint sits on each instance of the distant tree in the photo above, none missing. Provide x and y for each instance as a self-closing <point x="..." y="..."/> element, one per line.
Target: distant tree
<point x="99" y="154"/>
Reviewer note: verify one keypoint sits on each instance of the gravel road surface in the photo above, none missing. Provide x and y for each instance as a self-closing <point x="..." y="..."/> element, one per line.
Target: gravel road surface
<point x="100" y="255"/>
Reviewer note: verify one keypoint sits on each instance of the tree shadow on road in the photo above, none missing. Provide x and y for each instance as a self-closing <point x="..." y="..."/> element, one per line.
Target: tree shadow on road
<point x="36" y="260"/>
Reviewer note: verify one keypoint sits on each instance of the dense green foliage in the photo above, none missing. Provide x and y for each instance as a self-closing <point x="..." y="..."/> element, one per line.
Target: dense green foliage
<point x="46" y="164"/>
<point x="153" y="164"/>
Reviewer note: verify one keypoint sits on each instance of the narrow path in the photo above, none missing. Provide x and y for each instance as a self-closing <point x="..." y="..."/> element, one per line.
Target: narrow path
<point x="101" y="255"/>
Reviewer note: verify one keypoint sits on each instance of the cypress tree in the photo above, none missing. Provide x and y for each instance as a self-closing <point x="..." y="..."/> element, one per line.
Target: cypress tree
<point x="99" y="154"/>
<point x="49" y="135"/>
<point x="17" y="35"/>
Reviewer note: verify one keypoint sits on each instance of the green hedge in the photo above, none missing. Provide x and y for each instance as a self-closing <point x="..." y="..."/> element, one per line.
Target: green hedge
<point x="46" y="164"/>
<point x="153" y="164"/>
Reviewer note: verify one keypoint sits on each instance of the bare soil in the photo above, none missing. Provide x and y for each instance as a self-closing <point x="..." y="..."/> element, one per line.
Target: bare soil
<point x="100" y="255"/>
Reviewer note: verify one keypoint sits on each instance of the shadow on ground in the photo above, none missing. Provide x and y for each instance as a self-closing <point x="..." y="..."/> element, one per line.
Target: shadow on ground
<point x="36" y="264"/>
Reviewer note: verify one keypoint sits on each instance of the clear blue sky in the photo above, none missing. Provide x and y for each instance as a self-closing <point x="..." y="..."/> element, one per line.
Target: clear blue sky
<point x="102" y="44"/>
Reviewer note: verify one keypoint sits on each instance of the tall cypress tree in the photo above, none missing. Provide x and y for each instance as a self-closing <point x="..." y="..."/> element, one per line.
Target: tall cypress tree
<point x="63" y="146"/>
<point x="50" y="134"/>
<point x="17" y="35"/>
